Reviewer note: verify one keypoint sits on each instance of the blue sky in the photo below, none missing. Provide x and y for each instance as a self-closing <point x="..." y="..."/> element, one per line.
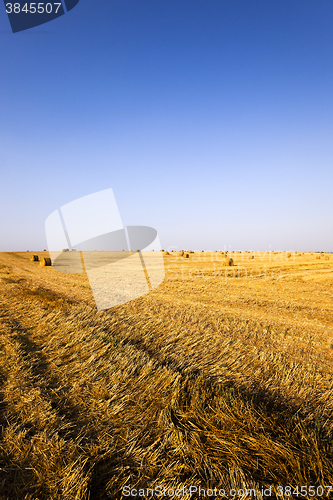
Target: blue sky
<point x="211" y="120"/>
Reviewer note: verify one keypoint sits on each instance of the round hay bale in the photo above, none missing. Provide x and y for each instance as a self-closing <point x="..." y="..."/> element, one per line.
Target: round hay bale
<point x="34" y="258"/>
<point x="181" y="253"/>
<point x="327" y="258"/>
<point x="65" y="249"/>
<point x="318" y="257"/>
<point x="166" y="253"/>
<point x="289" y="255"/>
<point x="45" y="261"/>
<point x="231" y="262"/>
<point x="186" y="256"/>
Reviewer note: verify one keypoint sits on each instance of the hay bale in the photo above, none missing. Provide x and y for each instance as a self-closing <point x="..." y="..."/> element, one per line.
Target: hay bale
<point x="327" y="258"/>
<point x="166" y="253"/>
<point x="34" y="258"/>
<point x="318" y="257"/>
<point x="288" y="255"/>
<point x="186" y="256"/>
<point x="181" y="253"/>
<point x="45" y="261"/>
<point x="65" y="249"/>
<point x="228" y="262"/>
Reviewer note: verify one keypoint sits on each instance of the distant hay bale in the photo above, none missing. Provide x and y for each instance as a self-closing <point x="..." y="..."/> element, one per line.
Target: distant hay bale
<point x="228" y="262"/>
<point x="251" y="257"/>
<point x="65" y="249"/>
<point x="181" y="253"/>
<point x="288" y="255"/>
<point x="327" y="257"/>
<point x="34" y="258"/>
<point x="186" y="256"/>
<point x="318" y="257"/>
<point x="166" y="253"/>
<point x="45" y="261"/>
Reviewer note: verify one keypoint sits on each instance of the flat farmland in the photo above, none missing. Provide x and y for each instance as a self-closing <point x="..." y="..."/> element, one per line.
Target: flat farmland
<point x="221" y="377"/>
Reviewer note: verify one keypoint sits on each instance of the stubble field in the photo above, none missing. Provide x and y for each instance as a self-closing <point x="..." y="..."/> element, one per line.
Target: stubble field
<point x="220" y="378"/>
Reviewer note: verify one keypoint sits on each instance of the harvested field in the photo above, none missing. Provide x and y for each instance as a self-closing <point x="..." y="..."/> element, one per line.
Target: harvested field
<point x="220" y="377"/>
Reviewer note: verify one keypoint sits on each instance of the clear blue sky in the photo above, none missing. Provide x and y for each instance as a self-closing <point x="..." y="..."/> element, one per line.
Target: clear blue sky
<point x="212" y="120"/>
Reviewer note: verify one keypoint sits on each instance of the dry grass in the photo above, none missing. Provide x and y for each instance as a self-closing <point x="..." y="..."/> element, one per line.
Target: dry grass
<point x="219" y="377"/>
